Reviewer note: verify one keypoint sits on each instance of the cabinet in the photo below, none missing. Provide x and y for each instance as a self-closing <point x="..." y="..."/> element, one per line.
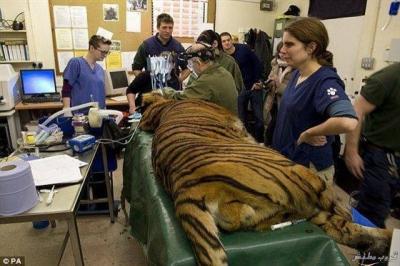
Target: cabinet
<point x="14" y="48"/>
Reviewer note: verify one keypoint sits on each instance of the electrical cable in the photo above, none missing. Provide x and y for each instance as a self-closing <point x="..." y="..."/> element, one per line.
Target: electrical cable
<point x="18" y="16"/>
<point x="130" y="136"/>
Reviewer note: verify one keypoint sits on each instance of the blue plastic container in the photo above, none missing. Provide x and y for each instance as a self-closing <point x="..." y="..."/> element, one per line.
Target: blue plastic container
<point x="40" y="224"/>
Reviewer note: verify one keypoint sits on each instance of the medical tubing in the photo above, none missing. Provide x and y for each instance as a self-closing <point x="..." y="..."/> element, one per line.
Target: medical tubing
<point x="130" y="136"/>
<point x="53" y="116"/>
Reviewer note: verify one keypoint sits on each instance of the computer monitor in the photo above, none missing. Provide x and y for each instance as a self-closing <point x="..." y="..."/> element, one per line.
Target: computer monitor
<point x="116" y="81"/>
<point x="38" y="81"/>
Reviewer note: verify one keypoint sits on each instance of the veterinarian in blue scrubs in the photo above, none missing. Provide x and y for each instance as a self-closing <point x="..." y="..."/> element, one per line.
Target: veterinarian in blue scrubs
<point x="314" y="106"/>
<point x="84" y="77"/>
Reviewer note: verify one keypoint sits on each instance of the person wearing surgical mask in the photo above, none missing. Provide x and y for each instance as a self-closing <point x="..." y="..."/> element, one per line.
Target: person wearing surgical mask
<point x="214" y="83"/>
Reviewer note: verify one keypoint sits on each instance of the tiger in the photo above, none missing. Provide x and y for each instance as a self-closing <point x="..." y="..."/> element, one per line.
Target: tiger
<point x="219" y="177"/>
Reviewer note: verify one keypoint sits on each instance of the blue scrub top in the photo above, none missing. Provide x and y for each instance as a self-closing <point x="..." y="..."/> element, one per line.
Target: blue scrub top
<point x="302" y="107"/>
<point x="85" y="82"/>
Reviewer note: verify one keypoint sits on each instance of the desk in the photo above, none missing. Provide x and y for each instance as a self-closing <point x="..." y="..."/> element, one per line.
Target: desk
<point x="63" y="207"/>
<point x="59" y="105"/>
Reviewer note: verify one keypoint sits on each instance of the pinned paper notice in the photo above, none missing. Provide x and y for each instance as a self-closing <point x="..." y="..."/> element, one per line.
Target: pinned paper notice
<point x="133" y="21"/>
<point x="105" y="33"/>
<point x="62" y="17"/>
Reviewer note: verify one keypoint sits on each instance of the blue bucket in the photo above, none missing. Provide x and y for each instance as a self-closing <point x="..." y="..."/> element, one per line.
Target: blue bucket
<point x="64" y="123"/>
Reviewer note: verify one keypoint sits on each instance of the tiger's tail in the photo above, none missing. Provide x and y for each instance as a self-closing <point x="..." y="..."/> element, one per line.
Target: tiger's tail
<point x="202" y="231"/>
<point x="373" y="240"/>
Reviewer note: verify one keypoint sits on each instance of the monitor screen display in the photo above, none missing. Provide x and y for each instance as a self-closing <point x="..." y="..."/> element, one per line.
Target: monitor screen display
<point x="38" y="81"/>
<point x="119" y="79"/>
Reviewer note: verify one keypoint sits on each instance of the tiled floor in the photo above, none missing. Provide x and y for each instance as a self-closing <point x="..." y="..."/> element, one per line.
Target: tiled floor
<point x="103" y="243"/>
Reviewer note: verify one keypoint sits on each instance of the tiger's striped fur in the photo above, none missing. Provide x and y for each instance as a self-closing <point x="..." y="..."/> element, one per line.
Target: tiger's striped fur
<point x="218" y="176"/>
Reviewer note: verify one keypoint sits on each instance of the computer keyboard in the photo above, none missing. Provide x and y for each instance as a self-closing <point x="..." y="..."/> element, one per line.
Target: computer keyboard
<point x="41" y="99"/>
<point x="119" y="98"/>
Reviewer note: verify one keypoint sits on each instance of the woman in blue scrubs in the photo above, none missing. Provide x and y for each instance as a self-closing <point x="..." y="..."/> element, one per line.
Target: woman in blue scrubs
<point x="314" y="106"/>
<point x="84" y="77"/>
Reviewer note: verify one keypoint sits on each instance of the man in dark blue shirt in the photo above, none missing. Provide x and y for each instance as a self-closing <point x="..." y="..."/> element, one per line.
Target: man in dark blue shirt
<point x="251" y="68"/>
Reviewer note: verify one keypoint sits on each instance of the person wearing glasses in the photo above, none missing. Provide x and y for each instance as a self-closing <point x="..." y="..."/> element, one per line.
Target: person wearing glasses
<point x="83" y="83"/>
<point x="84" y="77"/>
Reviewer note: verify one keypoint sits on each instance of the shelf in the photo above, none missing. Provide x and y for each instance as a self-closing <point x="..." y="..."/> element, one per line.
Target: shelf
<point x="12" y="31"/>
<point x="15" y="62"/>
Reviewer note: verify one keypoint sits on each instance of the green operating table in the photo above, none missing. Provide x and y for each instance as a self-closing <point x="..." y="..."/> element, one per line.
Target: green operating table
<point x="153" y="223"/>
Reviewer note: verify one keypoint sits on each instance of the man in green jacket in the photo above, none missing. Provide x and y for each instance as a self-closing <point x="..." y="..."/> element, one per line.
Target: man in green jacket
<point x="210" y="37"/>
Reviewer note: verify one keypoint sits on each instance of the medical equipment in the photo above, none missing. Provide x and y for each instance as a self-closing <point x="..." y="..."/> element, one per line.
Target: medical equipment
<point x="160" y="68"/>
<point x="50" y="197"/>
<point x="45" y="132"/>
<point x="96" y="116"/>
<point x="9" y="88"/>
<point x="82" y="143"/>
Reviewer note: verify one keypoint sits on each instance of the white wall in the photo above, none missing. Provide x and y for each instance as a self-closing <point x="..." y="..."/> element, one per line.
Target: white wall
<point x="234" y="15"/>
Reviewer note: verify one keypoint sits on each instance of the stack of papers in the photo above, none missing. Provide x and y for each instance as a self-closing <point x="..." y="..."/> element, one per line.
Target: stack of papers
<point x="58" y="169"/>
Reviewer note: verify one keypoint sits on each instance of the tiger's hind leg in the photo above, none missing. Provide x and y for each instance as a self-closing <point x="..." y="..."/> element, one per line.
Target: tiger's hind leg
<point x="202" y="231"/>
<point x="374" y="240"/>
<point x="233" y="215"/>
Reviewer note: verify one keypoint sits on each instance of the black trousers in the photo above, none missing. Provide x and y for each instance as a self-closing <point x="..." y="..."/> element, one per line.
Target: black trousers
<point x="380" y="184"/>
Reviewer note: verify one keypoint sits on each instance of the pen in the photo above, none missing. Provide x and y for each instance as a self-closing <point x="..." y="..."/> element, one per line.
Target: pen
<point x="50" y="196"/>
<point x="286" y="224"/>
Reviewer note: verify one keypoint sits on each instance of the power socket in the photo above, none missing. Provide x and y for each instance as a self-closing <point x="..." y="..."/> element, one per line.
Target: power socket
<point x="367" y="63"/>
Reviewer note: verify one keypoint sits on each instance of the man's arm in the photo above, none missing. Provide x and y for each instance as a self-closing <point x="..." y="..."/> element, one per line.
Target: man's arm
<point x="351" y="156"/>
<point x="131" y="101"/>
<point x="66" y="102"/>
<point x="139" y="62"/>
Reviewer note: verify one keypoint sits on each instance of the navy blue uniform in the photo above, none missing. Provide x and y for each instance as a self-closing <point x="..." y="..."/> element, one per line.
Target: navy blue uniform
<point x="305" y="106"/>
<point x="251" y="68"/>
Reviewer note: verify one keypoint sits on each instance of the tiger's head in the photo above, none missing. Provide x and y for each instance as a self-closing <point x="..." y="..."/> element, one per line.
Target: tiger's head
<point x="153" y="104"/>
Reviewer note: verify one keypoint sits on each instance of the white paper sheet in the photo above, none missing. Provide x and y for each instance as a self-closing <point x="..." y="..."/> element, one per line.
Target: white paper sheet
<point x="105" y="33"/>
<point x="58" y="169"/>
<point x="63" y="39"/>
<point x="78" y="16"/>
<point x="63" y="58"/>
<point x="62" y="18"/>
<point x="133" y="21"/>
<point x="81" y="39"/>
<point x="127" y="59"/>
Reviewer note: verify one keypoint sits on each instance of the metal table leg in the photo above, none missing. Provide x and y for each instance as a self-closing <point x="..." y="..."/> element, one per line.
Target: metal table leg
<point x="108" y="183"/>
<point x="75" y="241"/>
